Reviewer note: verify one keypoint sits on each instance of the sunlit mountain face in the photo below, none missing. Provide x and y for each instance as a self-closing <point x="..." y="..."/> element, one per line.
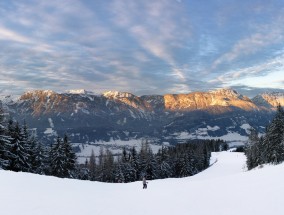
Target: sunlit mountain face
<point x="113" y="115"/>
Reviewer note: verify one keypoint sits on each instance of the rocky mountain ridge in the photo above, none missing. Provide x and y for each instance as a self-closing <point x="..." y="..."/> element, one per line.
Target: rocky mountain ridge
<point x="269" y="100"/>
<point x="90" y="117"/>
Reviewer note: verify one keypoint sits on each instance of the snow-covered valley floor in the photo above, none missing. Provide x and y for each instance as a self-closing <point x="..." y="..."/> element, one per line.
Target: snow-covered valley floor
<point x="225" y="188"/>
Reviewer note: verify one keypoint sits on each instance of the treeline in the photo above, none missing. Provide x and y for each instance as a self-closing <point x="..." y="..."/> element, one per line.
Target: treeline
<point x="176" y="161"/>
<point x="22" y="152"/>
<point x="268" y="148"/>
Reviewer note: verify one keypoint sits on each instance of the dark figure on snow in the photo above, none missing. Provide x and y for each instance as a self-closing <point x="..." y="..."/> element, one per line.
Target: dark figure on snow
<point x="144" y="183"/>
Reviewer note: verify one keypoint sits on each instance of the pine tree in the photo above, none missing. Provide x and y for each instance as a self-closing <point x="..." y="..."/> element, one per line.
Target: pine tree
<point x="38" y="159"/>
<point x="21" y="160"/>
<point x="57" y="159"/>
<point x="186" y="168"/>
<point x="273" y="148"/>
<point x="100" y="175"/>
<point x="252" y="150"/>
<point x="151" y="168"/>
<point x="62" y="159"/>
<point x="92" y="166"/>
<point x="69" y="158"/>
<point x="5" y="143"/>
<point x="207" y="155"/>
<point x="165" y="168"/>
<point x="118" y="173"/>
<point x="134" y="161"/>
<point x="28" y="144"/>
<point x="144" y="157"/>
<point x="108" y="163"/>
<point x="83" y="172"/>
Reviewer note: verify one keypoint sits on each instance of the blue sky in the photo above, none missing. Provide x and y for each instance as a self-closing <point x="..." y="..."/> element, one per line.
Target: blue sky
<point x="143" y="46"/>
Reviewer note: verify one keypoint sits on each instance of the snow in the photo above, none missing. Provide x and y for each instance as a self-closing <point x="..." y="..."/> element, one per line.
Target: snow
<point x="224" y="188"/>
<point x="50" y="131"/>
<point x="50" y="122"/>
<point x="201" y="133"/>
<point x="246" y="127"/>
<point x="215" y="128"/>
<point x="115" y="146"/>
<point x="228" y="92"/>
<point x="132" y="114"/>
<point x="80" y="91"/>
<point x="117" y="94"/>
<point x="233" y="136"/>
<point x="9" y="99"/>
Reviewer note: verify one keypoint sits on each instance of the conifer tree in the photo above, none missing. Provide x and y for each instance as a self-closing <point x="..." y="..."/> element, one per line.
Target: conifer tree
<point x="83" y="173"/>
<point x="38" y="159"/>
<point x="57" y="159"/>
<point x="134" y="161"/>
<point x="127" y="167"/>
<point x="69" y="158"/>
<point x="92" y="166"/>
<point x="252" y="149"/>
<point x="100" y="175"/>
<point x="5" y="143"/>
<point x="164" y="163"/>
<point x="151" y="168"/>
<point x="108" y="163"/>
<point x="118" y="173"/>
<point x="207" y="155"/>
<point x="273" y="148"/>
<point x="144" y="158"/>
<point x="21" y="160"/>
<point x="186" y="168"/>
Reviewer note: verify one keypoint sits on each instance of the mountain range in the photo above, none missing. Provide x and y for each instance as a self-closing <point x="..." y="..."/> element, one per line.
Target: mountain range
<point x="171" y="118"/>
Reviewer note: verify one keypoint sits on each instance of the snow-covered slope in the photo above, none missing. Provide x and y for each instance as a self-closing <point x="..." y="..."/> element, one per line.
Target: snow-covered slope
<point x="224" y="188"/>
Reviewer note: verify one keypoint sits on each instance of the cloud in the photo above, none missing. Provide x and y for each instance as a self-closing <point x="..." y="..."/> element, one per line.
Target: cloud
<point x="260" y="36"/>
<point x="253" y="71"/>
<point x="73" y="44"/>
<point x="249" y="46"/>
<point x="156" y="26"/>
<point x="144" y="47"/>
<point x="9" y="35"/>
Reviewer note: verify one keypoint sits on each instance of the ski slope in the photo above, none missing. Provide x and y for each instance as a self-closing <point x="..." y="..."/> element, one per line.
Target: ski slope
<point x="225" y="188"/>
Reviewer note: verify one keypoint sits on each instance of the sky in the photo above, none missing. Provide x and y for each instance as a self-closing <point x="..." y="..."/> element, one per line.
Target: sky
<point x="143" y="46"/>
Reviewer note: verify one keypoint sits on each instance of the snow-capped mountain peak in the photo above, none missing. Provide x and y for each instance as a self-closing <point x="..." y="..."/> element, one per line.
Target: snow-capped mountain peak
<point x="228" y="92"/>
<point x="117" y="94"/>
<point x="37" y="92"/>
<point x="80" y="91"/>
<point x="269" y="99"/>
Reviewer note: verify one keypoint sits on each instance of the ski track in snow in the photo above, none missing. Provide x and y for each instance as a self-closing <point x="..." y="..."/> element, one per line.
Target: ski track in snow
<point x="225" y="188"/>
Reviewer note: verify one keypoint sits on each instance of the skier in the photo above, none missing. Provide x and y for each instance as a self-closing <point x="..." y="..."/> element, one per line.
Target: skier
<point x="144" y="183"/>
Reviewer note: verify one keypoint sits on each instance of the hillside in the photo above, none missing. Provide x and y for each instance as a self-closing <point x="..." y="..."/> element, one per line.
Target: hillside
<point x="121" y="116"/>
<point x="224" y="188"/>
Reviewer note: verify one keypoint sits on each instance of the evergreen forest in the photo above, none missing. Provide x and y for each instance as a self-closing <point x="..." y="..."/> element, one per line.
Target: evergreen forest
<point x="20" y="151"/>
<point x="267" y="148"/>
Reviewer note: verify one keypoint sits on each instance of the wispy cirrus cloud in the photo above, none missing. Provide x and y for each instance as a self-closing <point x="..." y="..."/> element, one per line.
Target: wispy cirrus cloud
<point x="9" y="35"/>
<point x="263" y="29"/>
<point x="151" y="46"/>
<point x="155" y="25"/>
<point x="266" y="74"/>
